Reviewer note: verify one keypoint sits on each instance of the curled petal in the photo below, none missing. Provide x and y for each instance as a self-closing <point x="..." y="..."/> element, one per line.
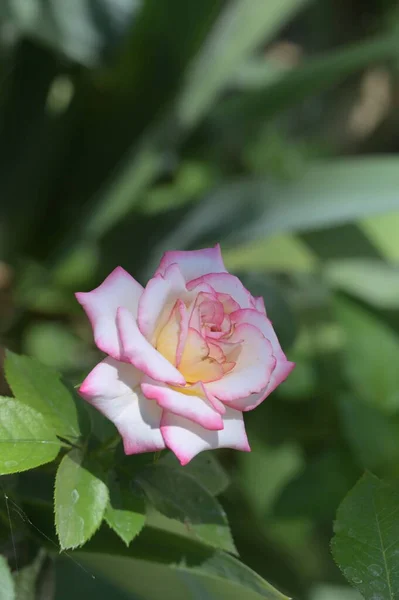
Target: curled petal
<point x="141" y="354"/>
<point x="254" y="366"/>
<point x="259" y="304"/>
<point x="101" y="304"/>
<point x="158" y="300"/>
<point x="113" y="387"/>
<point x="283" y="366"/>
<point x="194" y="263"/>
<point x="186" y="439"/>
<point x="226" y="284"/>
<point x="186" y="402"/>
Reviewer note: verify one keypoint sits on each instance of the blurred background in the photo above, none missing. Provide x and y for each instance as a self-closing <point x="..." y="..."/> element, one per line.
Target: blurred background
<point x="130" y="127"/>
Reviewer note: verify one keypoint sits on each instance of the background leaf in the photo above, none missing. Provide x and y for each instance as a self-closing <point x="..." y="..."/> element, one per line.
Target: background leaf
<point x="6" y="580"/>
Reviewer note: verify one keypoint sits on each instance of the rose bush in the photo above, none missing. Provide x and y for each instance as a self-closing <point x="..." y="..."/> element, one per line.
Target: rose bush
<point x="187" y="355"/>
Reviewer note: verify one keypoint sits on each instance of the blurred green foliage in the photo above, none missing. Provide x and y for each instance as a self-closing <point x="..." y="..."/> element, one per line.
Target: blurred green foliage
<point x="133" y="127"/>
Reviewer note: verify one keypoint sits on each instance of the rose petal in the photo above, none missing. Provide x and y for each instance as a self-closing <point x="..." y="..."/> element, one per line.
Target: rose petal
<point x="141" y="354"/>
<point x="195" y="364"/>
<point x="186" y="439"/>
<point x="158" y="300"/>
<point x="226" y="284"/>
<point x="113" y="387"/>
<point x="194" y="263"/>
<point x="259" y="303"/>
<point x="253" y="368"/>
<point x="187" y="403"/>
<point x="283" y="366"/>
<point x="172" y="337"/>
<point x="101" y="304"/>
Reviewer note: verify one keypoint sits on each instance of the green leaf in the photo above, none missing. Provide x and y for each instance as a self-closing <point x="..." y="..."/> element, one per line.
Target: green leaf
<point x="6" y="581"/>
<point x="366" y="542"/>
<point x="26" y="440"/>
<point x="26" y="579"/>
<point x="205" y="468"/>
<point x="316" y="492"/>
<point x="76" y="29"/>
<point x="369" y="348"/>
<point x="80" y="499"/>
<point x="328" y="192"/>
<point x="316" y="75"/>
<point x="179" y="496"/>
<point x="40" y="387"/>
<point x="125" y="512"/>
<point x="240" y="29"/>
<point x="372" y="281"/>
<point x="159" y="560"/>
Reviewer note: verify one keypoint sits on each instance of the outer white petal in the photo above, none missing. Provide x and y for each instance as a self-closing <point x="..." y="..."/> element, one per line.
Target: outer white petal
<point x="283" y="366"/>
<point x="186" y="439"/>
<point x="158" y="299"/>
<point x="194" y="263"/>
<point x="101" y="304"/>
<point x="113" y="387"/>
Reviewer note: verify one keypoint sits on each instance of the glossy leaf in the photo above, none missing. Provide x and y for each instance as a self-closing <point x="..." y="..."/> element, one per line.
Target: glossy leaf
<point x="80" y="499"/>
<point x="125" y="512"/>
<point x="26" y="440"/>
<point x="39" y="387"/>
<point x="177" y="495"/>
<point x="366" y="542"/>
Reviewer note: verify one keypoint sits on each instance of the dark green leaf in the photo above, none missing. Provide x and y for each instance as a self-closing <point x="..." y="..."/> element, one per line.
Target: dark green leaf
<point x="81" y="30"/>
<point x="40" y="387"/>
<point x="26" y="440"/>
<point x="372" y="435"/>
<point x="205" y="468"/>
<point x="366" y="542"/>
<point x="370" y="346"/>
<point x="6" y="581"/>
<point x="80" y="499"/>
<point x="158" y="559"/>
<point x="179" y="496"/>
<point x="125" y="512"/>
<point x="317" y="491"/>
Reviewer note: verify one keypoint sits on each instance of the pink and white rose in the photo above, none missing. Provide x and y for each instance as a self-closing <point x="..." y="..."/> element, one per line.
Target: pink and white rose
<point x="187" y="355"/>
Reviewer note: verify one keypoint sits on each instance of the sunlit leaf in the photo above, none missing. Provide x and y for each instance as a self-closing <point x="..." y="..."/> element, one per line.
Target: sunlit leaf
<point x="80" y="499"/>
<point x="40" y="387"/>
<point x="26" y="439"/>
